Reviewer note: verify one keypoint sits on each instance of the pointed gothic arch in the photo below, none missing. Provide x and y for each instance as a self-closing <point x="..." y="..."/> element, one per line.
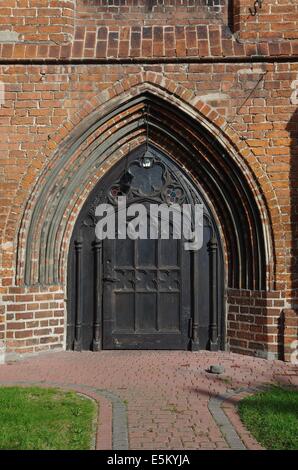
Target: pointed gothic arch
<point x="98" y="142"/>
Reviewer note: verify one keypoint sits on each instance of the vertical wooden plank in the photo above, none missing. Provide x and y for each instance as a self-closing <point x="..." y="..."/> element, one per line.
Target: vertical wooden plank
<point x="212" y="249"/>
<point x="195" y="346"/>
<point x="79" y="295"/>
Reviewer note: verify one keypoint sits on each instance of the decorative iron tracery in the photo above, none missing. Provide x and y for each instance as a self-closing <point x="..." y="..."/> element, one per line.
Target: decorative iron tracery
<point x="170" y="189"/>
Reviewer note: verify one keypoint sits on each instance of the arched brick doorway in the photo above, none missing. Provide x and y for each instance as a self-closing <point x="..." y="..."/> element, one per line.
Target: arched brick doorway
<point x="206" y="157"/>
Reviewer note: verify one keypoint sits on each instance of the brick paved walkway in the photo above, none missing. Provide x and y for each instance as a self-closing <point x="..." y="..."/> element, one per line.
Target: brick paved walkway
<point x="166" y="393"/>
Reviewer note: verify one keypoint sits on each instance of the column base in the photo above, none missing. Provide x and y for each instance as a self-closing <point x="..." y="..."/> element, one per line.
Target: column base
<point x="194" y="345"/>
<point x="96" y="345"/>
<point x="77" y="346"/>
<point x="213" y="346"/>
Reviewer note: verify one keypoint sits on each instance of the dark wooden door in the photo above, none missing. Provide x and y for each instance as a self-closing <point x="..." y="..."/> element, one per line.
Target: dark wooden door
<point x="146" y="297"/>
<point x="144" y="294"/>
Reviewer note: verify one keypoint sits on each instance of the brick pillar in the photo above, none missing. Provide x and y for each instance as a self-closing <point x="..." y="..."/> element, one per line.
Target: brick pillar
<point x="290" y="334"/>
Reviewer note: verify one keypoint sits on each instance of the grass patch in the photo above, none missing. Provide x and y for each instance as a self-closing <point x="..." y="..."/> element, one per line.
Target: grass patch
<point x="272" y="417"/>
<point x="45" y="419"/>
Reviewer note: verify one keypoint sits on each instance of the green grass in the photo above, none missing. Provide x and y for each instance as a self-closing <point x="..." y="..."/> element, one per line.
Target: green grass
<point x="45" y="419"/>
<point x="272" y="417"/>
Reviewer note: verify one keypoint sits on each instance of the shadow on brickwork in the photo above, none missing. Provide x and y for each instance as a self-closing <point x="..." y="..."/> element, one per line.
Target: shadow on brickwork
<point x="292" y="128"/>
<point x="289" y="325"/>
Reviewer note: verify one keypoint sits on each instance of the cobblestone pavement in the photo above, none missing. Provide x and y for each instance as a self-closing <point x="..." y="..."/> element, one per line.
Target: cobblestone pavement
<point x="166" y="392"/>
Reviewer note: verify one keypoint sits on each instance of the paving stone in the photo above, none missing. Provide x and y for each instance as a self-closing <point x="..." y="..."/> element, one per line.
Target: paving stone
<point x="156" y="402"/>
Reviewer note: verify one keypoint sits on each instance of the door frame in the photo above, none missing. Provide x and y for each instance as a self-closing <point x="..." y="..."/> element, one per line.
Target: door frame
<point x="220" y="301"/>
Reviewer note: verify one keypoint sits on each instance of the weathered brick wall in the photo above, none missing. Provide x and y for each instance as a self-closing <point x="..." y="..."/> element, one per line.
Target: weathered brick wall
<point x="252" y="102"/>
<point x="146" y="28"/>
<point x="36" y="21"/>
<point x="255" y="323"/>
<point x="34" y="319"/>
<point x="290" y="335"/>
<point x="151" y="12"/>
<point x="274" y="21"/>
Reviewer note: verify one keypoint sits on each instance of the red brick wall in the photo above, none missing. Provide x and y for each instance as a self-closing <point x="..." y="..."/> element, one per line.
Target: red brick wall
<point x="36" y="21"/>
<point x="275" y="20"/>
<point x="290" y="335"/>
<point x="255" y="324"/>
<point x="151" y="12"/>
<point x="34" y="319"/>
<point x="192" y="28"/>
<point x="250" y="102"/>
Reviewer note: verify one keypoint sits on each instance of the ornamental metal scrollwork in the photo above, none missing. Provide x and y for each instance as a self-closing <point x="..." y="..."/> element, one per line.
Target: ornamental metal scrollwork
<point x="147" y="179"/>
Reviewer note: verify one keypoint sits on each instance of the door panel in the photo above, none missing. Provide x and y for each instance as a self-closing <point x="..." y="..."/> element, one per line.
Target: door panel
<point x="145" y="304"/>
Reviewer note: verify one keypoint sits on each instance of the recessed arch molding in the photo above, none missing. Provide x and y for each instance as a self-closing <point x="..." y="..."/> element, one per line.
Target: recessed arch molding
<point x="87" y="154"/>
